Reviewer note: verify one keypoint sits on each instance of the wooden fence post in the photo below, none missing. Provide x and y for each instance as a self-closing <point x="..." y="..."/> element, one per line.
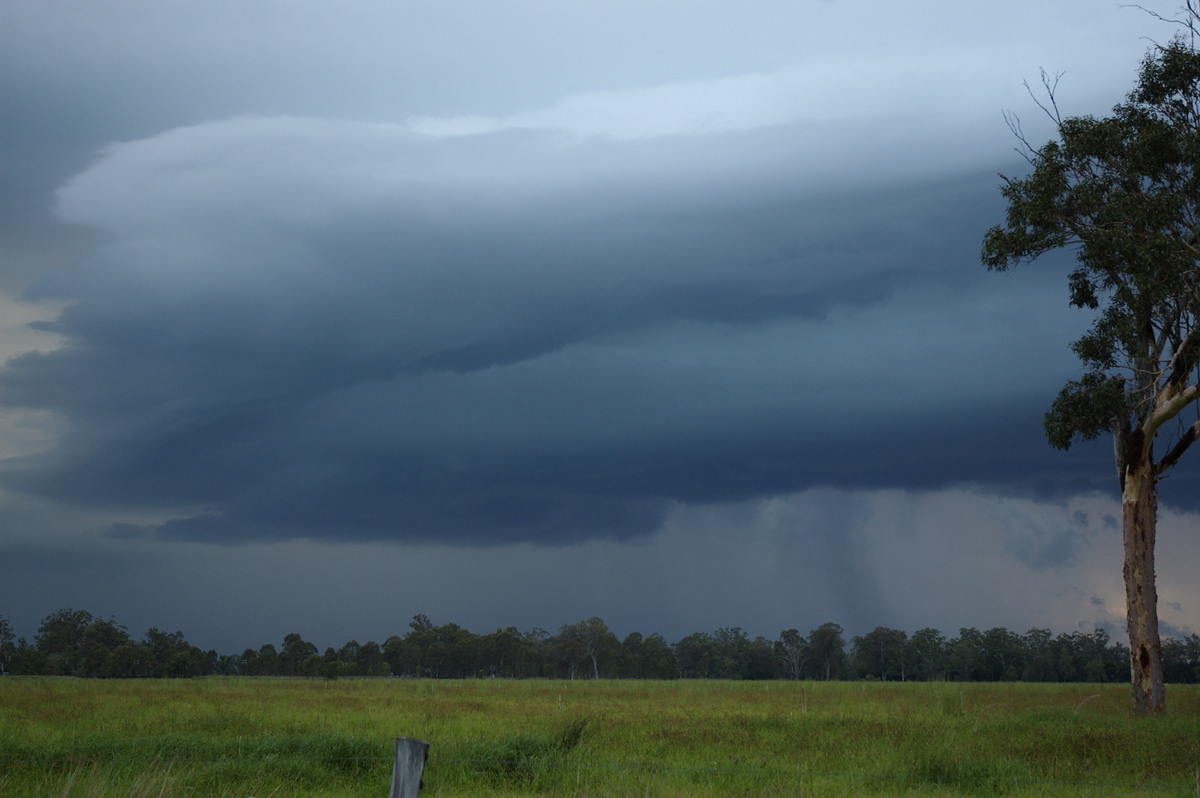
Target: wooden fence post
<point x="408" y="767"/>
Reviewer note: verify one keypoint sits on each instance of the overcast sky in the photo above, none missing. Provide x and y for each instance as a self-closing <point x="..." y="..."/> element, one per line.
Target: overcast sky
<point x="320" y="315"/>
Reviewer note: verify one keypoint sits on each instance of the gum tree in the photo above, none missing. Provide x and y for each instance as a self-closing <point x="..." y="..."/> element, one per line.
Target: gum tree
<point x="1122" y="192"/>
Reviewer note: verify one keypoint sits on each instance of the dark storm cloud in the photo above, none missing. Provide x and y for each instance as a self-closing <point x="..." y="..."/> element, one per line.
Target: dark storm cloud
<point x="638" y="278"/>
<point x="323" y="329"/>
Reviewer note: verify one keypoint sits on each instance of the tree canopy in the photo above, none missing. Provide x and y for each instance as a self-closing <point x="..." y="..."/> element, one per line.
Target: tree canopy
<point x="1122" y="191"/>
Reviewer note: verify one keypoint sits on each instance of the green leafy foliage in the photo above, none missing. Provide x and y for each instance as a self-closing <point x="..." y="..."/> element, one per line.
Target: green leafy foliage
<point x="1085" y="408"/>
<point x="1122" y="192"/>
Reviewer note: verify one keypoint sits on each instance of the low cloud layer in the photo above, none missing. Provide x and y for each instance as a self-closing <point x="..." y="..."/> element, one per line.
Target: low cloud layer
<point x="312" y="328"/>
<point x="858" y="558"/>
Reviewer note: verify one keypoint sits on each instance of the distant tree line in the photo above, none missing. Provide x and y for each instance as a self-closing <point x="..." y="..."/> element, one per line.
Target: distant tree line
<point x="76" y="643"/>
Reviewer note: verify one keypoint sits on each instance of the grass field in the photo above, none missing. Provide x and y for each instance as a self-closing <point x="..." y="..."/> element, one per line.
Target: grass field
<point x="290" y="737"/>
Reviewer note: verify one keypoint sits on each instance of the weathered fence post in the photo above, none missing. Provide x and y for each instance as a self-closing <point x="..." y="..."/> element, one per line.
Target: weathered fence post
<point x="408" y="767"/>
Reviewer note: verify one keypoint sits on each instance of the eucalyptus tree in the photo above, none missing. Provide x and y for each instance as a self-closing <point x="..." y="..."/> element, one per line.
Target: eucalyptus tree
<point x="60" y="637"/>
<point x="925" y="654"/>
<point x="790" y="648"/>
<point x="880" y="653"/>
<point x="1181" y="659"/>
<point x="826" y="650"/>
<point x="694" y="654"/>
<point x="501" y="652"/>
<point x="1123" y="193"/>
<point x="293" y="658"/>
<point x="590" y="640"/>
<point x="6" y="645"/>
<point x="649" y="657"/>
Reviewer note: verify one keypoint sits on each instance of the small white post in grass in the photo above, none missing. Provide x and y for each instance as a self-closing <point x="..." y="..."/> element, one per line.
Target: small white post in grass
<point x="408" y="767"/>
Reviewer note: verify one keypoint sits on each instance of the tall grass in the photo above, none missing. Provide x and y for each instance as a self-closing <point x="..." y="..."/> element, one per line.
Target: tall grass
<point x="260" y="736"/>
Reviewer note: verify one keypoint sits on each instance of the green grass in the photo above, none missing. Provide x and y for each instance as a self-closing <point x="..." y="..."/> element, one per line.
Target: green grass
<point x="293" y="737"/>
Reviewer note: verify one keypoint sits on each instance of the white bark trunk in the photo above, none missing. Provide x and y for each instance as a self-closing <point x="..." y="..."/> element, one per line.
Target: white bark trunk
<point x="1139" y="516"/>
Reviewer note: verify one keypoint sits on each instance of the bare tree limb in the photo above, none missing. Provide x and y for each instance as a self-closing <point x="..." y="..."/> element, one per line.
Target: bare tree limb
<point x="1190" y="21"/>
<point x="1050" y="86"/>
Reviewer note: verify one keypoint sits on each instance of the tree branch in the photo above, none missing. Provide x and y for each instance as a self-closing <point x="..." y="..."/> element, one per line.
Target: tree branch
<point x="1026" y="150"/>
<point x="1050" y="107"/>
<point x="1171" y="408"/>
<point x="1187" y="439"/>
<point x="1191" y="9"/>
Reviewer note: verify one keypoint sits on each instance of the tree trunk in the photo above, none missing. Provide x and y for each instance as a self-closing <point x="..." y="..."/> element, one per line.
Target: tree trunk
<point x="1139" y="510"/>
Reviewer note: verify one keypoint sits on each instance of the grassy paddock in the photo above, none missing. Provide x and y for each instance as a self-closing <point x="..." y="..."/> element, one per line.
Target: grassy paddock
<point x="292" y="737"/>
